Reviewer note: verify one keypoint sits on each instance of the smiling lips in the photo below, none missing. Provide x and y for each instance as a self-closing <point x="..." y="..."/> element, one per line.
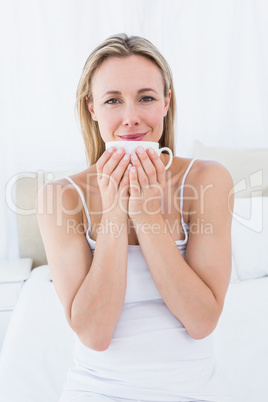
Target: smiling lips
<point x="133" y="137"/>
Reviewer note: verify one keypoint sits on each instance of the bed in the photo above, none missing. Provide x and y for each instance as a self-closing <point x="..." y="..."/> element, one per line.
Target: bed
<point x="37" y="350"/>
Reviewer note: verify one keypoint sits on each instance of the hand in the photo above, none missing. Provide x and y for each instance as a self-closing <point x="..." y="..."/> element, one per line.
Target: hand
<point x="113" y="180"/>
<point x="147" y="182"/>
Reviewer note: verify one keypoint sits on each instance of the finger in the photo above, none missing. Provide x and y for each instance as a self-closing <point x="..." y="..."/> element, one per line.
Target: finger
<point x="119" y="172"/>
<point x="124" y="192"/>
<point x="159" y="166"/>
<point x="111" y="164"/>
<point x="124" y="183"/>
<point x="134" y="187"/>
<point x="103" y="160"/>
<point x="141" y="175"/>
<point x="147" y="165"/>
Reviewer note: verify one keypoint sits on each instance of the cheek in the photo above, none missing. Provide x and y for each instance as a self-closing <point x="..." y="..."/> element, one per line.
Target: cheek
<point x="107" y="122"/>
<point x="156" y="118"/>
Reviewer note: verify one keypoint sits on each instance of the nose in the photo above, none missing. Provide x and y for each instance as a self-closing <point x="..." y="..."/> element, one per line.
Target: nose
<point x="131" y="117"/>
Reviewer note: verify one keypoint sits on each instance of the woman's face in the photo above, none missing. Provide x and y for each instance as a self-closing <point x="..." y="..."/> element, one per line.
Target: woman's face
<point x="128" y="99"/>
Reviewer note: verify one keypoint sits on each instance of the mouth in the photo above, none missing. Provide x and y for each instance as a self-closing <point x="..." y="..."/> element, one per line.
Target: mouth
<point x="133" y="137"/>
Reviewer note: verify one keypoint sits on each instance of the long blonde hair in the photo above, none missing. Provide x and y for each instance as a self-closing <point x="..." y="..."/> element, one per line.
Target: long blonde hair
<point x="120" y="45"/>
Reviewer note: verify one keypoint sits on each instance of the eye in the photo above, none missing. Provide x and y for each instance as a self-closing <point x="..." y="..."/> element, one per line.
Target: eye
<point x="112" y="101"/>
<point x="147" y="99"/>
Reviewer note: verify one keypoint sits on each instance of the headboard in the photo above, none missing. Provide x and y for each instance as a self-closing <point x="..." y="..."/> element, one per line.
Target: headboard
<point x="27" y="185"/>
<point x="248" y="167"/>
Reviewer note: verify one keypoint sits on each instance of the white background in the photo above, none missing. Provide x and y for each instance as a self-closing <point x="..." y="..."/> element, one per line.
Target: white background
<point x="217" y="50"/>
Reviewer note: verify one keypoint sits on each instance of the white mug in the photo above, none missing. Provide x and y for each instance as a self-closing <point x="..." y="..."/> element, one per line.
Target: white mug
<point x="131" y="146"/>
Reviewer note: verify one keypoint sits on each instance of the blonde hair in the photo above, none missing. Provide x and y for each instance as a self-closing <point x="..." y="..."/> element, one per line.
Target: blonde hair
<point x="120" y="45"/>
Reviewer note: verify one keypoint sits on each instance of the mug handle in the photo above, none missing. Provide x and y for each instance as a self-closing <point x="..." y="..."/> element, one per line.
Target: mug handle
<point x="170" y="156"/>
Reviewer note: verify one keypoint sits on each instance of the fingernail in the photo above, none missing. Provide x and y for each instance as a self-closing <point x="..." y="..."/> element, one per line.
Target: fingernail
<point x="133" y="169"/>
<point x="151" y="150"/>
<point x="140" y="149"/>
<point x="110" y="150"/>
<point x="119" y="150"/>
<point x="134" y="156"/>
<point x="126" y="156"/>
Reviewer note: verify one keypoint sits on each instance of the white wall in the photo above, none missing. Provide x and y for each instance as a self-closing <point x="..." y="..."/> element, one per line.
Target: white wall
<point x="217" y="50"/>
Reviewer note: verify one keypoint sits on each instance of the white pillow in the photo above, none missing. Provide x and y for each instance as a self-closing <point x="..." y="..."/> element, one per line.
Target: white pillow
<point x="250" y="237"/>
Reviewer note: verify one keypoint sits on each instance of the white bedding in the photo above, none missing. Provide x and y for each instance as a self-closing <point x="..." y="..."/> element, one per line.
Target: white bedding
<point x="38" y="348"/>
<point x="241" y="340"/>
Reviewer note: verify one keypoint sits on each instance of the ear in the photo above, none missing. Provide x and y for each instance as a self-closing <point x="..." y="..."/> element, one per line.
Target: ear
<point x="90" y="107"/>
<point x="167" y="102"/>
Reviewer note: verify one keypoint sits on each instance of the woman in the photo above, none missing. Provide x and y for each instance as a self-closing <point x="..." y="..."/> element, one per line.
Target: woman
<point x="140" y="256"/>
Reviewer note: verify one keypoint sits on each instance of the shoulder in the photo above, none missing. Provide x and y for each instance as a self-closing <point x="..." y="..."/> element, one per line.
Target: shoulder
<point x="213" y="175"/>
<point x="62" y="195"/>
<point x="200" y="171"/>
<point x="206" y="182"/>
<point x="55" y="192"/>
<point x="78" y="180"/>
<point x="212" y="185"/>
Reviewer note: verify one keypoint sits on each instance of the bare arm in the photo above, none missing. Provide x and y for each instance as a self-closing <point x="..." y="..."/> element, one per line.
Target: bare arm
<point x="91" y="289"/>
<point x="194" y="289"/>
<point x="97" y="307"/>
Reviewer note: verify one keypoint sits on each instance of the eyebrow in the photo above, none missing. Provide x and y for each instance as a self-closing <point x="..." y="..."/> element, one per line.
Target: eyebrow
<point x="114" y="92"/>
<point x="146" y="90"/>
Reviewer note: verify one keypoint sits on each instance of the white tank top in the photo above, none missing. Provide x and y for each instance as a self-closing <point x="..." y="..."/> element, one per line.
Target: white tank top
<point x="151" y="356"/>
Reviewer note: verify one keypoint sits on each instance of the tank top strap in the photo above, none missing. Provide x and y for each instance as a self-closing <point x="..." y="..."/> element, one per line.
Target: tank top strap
<point x="181" y="195"/>
<point x="82" y="199"/>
